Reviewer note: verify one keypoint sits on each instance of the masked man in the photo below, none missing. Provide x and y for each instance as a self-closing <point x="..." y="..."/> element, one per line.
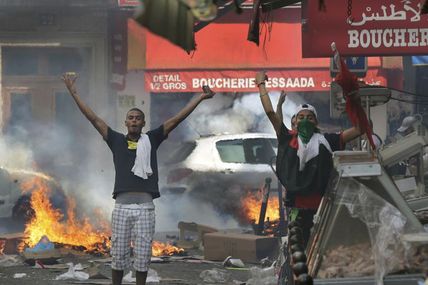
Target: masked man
<point x="304" y="160"/>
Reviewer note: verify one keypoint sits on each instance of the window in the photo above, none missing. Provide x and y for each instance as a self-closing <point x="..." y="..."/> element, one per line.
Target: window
<point x="253" y="151"/>
<point x="21" y="116"/>
<point x="259" y="150"/>
<point x="181" y="153"/>
<point x="33" y="61"/>
<point x="20" y="61"/>
<point x="274" y="144"/>
<point x="231" y="151"/>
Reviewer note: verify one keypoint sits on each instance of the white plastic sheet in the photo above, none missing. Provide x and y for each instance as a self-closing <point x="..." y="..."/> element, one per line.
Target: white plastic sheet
<point x="19" y="275"/>
<point x="73" y="273"/>
<point x="265" y="276"/>
<point x="385" y="224"/>
<point x="7" y="260"/>
<point x="214" y="276"/>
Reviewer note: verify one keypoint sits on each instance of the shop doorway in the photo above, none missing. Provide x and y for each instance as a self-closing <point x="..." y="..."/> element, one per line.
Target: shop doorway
<point x="36" y="107"/>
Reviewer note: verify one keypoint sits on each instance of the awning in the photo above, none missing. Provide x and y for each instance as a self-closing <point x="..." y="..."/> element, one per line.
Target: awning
<point x="290" y="80"/>
<point x="228" y="62"/>
<point x="223" y="45"/>
<point x="420" y="60"/>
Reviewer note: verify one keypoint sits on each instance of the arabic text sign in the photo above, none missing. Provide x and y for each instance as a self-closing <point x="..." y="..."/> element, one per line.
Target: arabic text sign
<point x="243" y="80"/>
<point x="381" y="27"/>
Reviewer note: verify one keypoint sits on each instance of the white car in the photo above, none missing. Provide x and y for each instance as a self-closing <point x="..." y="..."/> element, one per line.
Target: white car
<point x="220" y="164"/>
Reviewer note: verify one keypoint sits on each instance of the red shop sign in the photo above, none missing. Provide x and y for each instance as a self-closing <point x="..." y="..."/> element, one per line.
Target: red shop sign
<point x="374" y="28"/>
<point x="243" y="80"/>
<point x="128" y="3"/>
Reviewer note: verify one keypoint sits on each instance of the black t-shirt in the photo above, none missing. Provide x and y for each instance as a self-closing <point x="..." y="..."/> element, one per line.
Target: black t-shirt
<point x="124" y="158"/>
<point x="314" y="177"/>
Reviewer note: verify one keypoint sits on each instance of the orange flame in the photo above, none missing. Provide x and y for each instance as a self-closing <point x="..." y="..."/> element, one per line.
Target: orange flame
<point x="162" y="249"/>
<point x="49" y="222"/>
<point x="251" y="206"/>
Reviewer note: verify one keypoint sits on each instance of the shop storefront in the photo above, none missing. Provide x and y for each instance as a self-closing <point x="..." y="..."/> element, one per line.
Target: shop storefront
<point x="227" y="62"/>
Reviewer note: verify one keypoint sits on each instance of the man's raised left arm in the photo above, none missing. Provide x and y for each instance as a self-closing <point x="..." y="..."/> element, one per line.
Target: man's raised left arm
<point x="173" y="122"/>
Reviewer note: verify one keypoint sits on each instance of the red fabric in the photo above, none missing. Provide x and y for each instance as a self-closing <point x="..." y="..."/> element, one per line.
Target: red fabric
<point x="349" y="83"/>
<point x="308" y="202"/>
<point x="321" y="6"/>
<point x="424" y="9"/>
<point x="293" y="142"/>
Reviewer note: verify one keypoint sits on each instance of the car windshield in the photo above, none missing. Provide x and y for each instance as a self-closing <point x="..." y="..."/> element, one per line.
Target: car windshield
<point x="253" y="151"/>
<point x="181" y="153"/>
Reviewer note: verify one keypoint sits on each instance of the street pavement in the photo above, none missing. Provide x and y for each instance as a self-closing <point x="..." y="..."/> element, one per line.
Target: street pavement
<point x="186" y="269"/>
<point x="173" y="272"/>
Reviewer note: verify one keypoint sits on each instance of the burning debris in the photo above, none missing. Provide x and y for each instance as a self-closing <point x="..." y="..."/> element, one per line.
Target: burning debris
<point x="251" y="208"/>
<point x="52" y="223"/>
<point x="48" y="228"/>
<point x="165" y="249"/>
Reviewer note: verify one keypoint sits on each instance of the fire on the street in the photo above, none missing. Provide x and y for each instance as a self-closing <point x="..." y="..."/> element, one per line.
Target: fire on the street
<point x="50" y="222"/>
<point x="70" y="231"/>
<point x="164" y="249"/>
<point x="251" y="206"/>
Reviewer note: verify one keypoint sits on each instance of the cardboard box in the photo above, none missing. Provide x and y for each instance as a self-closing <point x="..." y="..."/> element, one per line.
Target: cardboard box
<point x="195" y="231"/>
<point x="11" y="242"/>
<point x="247" y="247"/>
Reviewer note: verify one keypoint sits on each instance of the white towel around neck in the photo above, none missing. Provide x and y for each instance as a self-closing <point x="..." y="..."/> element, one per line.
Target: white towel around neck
<point x="142" y="166"/>
<point x="306" y="152"/>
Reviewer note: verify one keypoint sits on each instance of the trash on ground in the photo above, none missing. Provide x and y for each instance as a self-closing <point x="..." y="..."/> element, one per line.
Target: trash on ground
<point x="265" y="276"/>
<point x="214" y="276"/>
<point x="19" y="275"/>
<point x="152" y="276"/>
<point x="233" y="262"/>
<point x="72" y="273"/>
<point x="7" y="260"/>
<point x="44" y="244"/>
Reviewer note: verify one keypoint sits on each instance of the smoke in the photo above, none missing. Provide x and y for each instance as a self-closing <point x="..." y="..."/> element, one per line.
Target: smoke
<point x="171" y="209"/>
<point x="83" y="174"/>
<point x="15" y="155"/>
<point x="71" y="151"/>
<point x="226" y="114"/>
<point x="217" y="204"/>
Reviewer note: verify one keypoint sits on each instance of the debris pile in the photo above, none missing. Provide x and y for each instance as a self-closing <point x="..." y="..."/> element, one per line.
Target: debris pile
<point x="357" y="260"/>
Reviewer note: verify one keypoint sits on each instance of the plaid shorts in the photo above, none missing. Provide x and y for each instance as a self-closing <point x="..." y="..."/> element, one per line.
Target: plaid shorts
<point x="136" y="223"/>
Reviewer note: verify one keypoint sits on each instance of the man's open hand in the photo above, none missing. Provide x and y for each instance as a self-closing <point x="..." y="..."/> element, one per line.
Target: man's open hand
<point x="69" y="79"/>
<point x="207" y="92"/>
<point x="261" y="77"/>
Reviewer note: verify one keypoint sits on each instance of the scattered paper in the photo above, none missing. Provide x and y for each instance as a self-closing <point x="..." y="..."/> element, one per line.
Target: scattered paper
<point x="72" y="273"/>
<point x="19" y="275"/>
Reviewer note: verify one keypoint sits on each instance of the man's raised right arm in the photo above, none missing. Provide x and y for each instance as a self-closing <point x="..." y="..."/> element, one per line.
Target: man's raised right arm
<point x="266" y="103"/>
<point x="97" y="122"/>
